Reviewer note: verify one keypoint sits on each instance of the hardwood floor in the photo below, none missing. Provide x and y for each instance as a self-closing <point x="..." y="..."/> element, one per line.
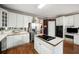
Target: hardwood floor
<point x="70" y="48"/>
<point x="22" y="49"/>
<point x="76" y="49"/>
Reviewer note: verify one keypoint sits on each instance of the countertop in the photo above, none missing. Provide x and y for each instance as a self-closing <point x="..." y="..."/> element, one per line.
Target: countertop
<point x="53" y="42"/>
<point x="56" y="41"/>
<point x="10" y="33"/>
<point x="3" y="35"/>
<point x="72" y="34"/>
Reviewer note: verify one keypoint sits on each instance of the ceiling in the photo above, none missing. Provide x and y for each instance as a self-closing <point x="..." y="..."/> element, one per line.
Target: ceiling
<point x="49" y="10"/>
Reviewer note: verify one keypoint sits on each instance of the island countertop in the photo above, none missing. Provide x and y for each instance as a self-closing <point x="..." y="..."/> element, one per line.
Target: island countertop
<point x="53" y="42"/>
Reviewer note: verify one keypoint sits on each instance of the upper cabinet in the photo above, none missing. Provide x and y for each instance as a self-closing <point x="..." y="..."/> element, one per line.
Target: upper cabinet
<point x="72" y="20"/>
<point x="69" y="21"/>
<point x="23" y="20"/>
<point x="19" y="20"/>
<point x="59" y="21"/>
<point x="3" y="18"/>
<point x="30" y="18"/>
<point x="76" y="20"/>
<point x="12" y="19"/>
<point x="26" y="21"/>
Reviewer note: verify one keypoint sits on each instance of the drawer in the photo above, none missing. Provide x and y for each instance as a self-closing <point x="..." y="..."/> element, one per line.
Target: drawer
<point x="69" y="36"/>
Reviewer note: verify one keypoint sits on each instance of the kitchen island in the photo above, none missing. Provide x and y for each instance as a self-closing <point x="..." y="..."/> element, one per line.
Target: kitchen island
<point x="51" y="46"/>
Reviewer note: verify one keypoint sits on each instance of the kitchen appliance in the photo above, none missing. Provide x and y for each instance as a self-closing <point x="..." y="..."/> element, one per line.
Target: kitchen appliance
<point x="59" y="31"/>
<point x="72" y="30"/>
<point x="69" y="36"/>
<point x="33" y="28"/>
<point x="48" y="38"/>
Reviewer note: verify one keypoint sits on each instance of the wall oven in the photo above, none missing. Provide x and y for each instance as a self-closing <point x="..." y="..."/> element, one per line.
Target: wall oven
<point x="59" y="31"/>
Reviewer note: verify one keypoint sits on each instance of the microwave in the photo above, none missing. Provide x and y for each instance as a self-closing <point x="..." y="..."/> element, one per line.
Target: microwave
<point x="72" y="30"/>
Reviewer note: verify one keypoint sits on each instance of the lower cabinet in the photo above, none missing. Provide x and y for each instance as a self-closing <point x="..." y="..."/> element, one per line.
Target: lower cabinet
<point x="4" y="44"/>
<point x="58" y="49"/>
<point x="16" y="40"/>
<point x="0" y="47"/>
<point x="40" y="47"/>
<point x="76" y="39"/>
<point x="44" y="48"/>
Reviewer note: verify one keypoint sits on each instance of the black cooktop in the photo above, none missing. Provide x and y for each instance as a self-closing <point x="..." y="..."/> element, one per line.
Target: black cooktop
<point x="48" y="38"/>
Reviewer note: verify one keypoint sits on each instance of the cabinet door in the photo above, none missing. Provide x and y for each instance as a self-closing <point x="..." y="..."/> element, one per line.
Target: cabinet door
<point x="26" y="21"/>
<point x="58" y="49"/>
<point x="30" y="19"/>
<point x="0" y="47"/>
<point x="76" y="39"/>
<point x="19" y="20"/>
<point x="36" y="44"/>
<point x="76" y="20"/>
<point x="0" y="17"/>
<point x="10" y="41"/>
<point x="3" y="17"/>
<point x="13" y="41"/>
<point x="4" y="44"/>
<point x="12" y="19"/>
<point x="18" y="40"/>
<point x="42" y="47"/>
<point x="59" y="21"/>
<point x="69" y="21"/>
<point x="25" y="38"/>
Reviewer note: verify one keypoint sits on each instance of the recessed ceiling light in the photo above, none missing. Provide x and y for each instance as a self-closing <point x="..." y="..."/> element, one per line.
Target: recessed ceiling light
<point x="41" y="6"/>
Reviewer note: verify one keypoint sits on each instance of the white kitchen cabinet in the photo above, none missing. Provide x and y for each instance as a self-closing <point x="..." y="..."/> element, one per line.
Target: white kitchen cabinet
<point x="4" y="44"/>
<point x="59" y="21"/>
<point x="69" y="21"/>
<point x="16" y="40"/>
<point x="30" y="18"/>
<point x="10" y="41"/>
<point x="51" y="28"/>
<point x="40" y="47"/>
<point x="3" y="17"/>
<point x="26" y="38"/>
<point x="12" y="19"/>
<point x="13" y="41"/>
<point x="37" y="45"/>
<point x="76" y="20"/>
<point x="76" y="39"/>
<point x="19" y="20"/>
<point x="43" y="47"/>
<point x="59" y="48"/>
<point x="0" y="17"/>
<point x="26" y="21"/>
